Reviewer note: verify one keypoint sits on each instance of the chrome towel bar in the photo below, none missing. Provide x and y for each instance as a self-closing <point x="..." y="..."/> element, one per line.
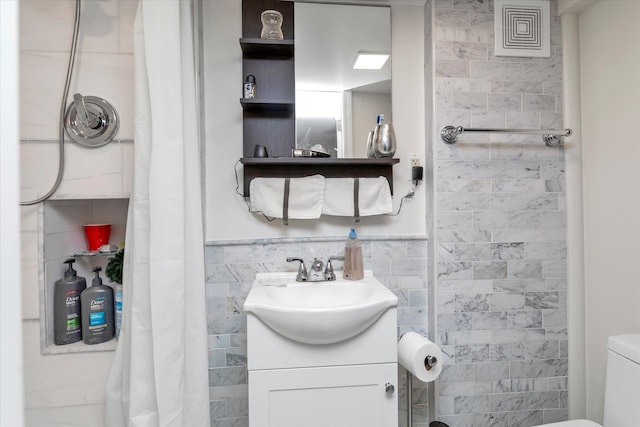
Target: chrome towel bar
<point x="450" y="134"/>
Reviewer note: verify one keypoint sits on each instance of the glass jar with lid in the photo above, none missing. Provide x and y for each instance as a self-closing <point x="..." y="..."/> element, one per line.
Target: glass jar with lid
<point x="271" y="25"/>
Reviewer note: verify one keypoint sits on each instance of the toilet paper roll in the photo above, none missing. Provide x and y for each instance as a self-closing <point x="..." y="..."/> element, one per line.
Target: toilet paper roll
<point x="420" y="356"/>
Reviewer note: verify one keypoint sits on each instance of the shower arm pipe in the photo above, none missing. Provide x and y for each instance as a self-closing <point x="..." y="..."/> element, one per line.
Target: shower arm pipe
<point x="450" y="134"/>
<point x="63" y="104"/>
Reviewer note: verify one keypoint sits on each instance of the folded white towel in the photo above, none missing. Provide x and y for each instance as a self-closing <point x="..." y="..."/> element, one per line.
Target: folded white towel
<point x="306" y="196"/>
<point x="374" y="197"/>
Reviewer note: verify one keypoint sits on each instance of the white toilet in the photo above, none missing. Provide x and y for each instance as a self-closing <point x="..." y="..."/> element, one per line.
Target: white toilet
<point x="622" y="391"/>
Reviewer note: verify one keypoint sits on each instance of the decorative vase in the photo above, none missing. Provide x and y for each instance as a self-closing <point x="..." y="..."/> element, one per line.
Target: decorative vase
<point x="384" y="139"/>
<point x="271" y="25"/>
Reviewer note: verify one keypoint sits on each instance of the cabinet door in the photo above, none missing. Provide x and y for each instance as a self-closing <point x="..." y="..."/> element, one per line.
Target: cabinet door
<point x="338" y="396"/>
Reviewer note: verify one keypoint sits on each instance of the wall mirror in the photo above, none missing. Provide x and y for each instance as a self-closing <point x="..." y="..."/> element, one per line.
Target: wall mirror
<point x="337" y="105"/>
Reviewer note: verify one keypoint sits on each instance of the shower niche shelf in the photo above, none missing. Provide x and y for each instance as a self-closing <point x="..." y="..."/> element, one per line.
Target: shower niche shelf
<point x="91" y="254"/>
<point x="62" y="236"/>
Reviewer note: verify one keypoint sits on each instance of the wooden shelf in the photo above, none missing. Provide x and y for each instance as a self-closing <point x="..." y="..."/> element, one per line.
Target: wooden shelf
<point x="270" y="118"/>
<point x="294" y="167"/>
<point x="267" y="104"/>
<point x="267" y="48"/>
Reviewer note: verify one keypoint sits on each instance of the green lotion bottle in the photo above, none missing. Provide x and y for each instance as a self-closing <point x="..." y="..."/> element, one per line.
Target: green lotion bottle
<point x="66" y="306"/>
<point x="98" y="323"/>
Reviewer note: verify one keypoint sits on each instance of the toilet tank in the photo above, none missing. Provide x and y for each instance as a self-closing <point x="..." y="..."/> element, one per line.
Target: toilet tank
<point x="622" y="391"/>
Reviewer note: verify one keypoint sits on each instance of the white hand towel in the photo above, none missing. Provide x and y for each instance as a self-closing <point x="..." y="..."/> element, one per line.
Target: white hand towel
<point x="306" y="196"/>
<point x="374" y="197"/>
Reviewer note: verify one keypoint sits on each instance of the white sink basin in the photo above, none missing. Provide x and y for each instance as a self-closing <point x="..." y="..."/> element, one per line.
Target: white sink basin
<point x="318" y="312"/>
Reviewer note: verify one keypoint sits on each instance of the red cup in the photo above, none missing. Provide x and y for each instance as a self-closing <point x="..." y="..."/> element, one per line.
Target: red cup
<point x="97" y="235"/>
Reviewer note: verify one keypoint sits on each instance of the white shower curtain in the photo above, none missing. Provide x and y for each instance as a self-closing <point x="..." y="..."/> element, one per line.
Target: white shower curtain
<point x="160" y="371"/>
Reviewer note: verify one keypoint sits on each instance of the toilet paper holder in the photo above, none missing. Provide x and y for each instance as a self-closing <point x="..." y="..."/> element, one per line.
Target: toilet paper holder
<point x="418" y="355"/>
<point x="430" y="361"/>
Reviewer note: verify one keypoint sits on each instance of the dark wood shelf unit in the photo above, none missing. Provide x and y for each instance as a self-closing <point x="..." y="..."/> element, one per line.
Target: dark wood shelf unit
<point x="295" y="167"/>
<point x="267" y="104"/>
<point x="269" y="119"/>
<point x="267" y="48"/>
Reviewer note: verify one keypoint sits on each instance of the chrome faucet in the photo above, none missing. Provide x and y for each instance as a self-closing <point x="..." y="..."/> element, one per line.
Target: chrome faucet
<point x="91" y="121"/>
<point x="319" y="272"/>
<point x="328" y="270"/>
<point x="86" y="117"/>
<point x="302" y="270"/>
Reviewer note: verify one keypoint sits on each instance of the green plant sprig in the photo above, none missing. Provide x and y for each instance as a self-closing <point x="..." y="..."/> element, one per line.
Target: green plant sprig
<point x="114" y="267"/>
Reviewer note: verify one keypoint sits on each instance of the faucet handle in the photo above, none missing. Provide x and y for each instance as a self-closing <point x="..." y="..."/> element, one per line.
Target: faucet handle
<point x="86" y="117"/>
<point x="328" y="270"/>
<point x="302" y="270"/>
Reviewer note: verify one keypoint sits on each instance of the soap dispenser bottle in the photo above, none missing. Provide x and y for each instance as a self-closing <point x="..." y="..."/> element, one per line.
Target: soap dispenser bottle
<point x="353" y="269"/>
<point x="66" y="306"/>
<point x="97" y="311"/>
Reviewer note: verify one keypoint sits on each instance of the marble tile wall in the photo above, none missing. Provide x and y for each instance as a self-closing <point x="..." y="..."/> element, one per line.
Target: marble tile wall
<point x="231" y="268"/>
<point x="500" y="228"/>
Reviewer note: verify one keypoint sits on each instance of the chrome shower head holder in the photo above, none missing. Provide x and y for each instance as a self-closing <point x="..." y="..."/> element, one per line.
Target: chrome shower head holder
<point x="91" y="121"/>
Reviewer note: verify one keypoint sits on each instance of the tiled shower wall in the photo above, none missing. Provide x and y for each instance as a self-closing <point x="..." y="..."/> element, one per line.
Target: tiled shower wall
<point x="500" y="228"/>
<point x="231" y="268"/>
<point x="104" y="67"/>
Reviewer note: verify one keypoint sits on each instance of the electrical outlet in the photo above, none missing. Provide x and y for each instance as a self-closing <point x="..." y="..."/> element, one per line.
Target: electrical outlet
<point x="414" y="160"/>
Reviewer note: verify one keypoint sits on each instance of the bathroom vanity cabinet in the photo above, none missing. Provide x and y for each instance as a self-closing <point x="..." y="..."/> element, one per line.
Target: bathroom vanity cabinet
<point x="339" y="396"/>
<point x="352" y="383"/>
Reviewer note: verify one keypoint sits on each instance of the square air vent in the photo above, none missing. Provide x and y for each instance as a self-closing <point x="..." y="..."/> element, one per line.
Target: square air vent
<point x="522" y="28"/>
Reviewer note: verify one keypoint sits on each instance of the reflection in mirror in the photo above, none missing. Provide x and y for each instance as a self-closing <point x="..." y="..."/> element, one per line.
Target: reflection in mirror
<point x="337" y="105"/>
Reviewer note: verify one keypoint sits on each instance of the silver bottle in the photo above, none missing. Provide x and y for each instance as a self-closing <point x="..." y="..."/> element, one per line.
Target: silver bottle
<point x="249" y="88"/>
<point x="384" y="139"/>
